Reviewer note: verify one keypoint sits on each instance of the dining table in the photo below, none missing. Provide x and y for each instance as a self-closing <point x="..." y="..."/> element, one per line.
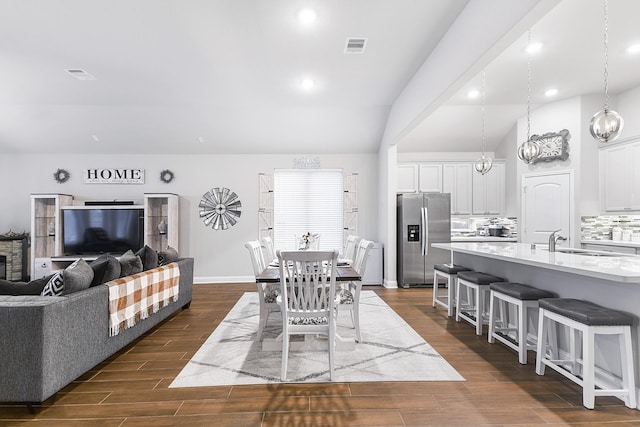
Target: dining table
<point x="271" y="274"/>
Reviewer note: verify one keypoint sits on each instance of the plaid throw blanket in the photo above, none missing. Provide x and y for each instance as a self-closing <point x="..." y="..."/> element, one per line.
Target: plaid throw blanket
<point x="135" y="297"/>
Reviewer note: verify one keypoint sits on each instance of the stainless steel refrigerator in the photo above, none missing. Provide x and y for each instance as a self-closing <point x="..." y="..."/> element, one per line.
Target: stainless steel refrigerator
<point x="423" y="219"/>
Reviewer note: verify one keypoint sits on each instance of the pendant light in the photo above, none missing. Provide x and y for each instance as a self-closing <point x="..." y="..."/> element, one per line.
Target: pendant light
<point x="606" y="125"/>
<point x="484" y="163"/>
<point x="529" y="150"/>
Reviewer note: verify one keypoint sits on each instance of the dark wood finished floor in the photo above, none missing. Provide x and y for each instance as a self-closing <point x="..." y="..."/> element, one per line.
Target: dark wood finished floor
<point x="131" y="388"/>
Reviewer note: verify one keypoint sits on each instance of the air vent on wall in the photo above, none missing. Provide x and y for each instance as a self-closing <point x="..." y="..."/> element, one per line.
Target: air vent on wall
<point x="80" y="74"/>
<point x="355" y="45"/>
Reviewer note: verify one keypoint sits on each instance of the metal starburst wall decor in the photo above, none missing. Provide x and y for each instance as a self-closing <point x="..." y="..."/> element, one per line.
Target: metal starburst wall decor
<point x="220" y="208"/>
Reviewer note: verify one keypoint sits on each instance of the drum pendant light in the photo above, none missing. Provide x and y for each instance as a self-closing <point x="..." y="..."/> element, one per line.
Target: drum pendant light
<point x="606" y="125"/>
<point x="529" y="150"/>
<point x="484" y="163"/>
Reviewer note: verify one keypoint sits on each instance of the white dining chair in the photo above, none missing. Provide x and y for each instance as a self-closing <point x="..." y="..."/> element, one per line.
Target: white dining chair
<point x="350" y="247"/>
<point x="350" y="293"/>
<point x="268" y="249"/>
<point x="267" y="293"/>
<point x="307" y="296"/>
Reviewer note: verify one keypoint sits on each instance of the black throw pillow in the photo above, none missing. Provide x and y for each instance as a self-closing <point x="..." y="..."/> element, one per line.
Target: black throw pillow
<point x="167" y="256"/>
<point x="105" y="268"/>
<point x="33" y="287"/>
<point x="130" y="263"/>
<point x="149" y="258"/>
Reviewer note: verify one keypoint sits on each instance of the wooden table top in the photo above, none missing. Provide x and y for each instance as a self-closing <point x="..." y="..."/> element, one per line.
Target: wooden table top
<point x="343" y="274"/>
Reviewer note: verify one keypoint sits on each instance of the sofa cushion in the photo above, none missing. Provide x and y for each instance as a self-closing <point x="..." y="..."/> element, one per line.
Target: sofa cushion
<point x="130" y="263"/>
<point x="149" y="258"/>
<point x="105" y="268"/>
<point x="77" y="277"/>
<point x="167" y="256"/>
<point x="54" y="286"/>
<point x="33" y="287"/>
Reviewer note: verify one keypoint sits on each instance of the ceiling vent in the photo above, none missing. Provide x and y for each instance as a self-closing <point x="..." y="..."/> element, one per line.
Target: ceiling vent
<point x="355" y="45"/>
<point x="80" y="74"/>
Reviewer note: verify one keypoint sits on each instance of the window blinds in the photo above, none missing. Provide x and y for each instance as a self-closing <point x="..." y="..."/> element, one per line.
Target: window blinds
<point x="308" y="201"/>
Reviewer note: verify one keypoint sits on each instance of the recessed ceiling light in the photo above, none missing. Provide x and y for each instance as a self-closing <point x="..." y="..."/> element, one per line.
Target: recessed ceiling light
<point x="473" y="94"/>
<point x="551" y="92"/>
<point x="307" y="84"/>
<point x="634" y="48"/>
<point x="307" y="16"/>
<point x="80" y="74"/>
<point x="95" y="138"/>
<point x="533" y="47"/>
<point x="201" y="139"/>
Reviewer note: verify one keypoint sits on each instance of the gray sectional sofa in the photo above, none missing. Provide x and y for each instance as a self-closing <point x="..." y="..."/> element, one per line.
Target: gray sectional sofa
<point x="46" y="342"/>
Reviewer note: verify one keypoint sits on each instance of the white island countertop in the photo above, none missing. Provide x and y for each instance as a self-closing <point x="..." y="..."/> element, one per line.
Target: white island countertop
<point x="619" y="268"/>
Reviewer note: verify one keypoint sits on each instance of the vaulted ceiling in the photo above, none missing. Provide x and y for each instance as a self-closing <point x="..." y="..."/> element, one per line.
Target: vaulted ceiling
<point x="219" y="76"/>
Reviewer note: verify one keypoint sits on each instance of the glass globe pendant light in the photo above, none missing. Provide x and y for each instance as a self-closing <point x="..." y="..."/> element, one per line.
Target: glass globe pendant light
<point x="484" y="163"/>
<point x="529" y="150"/>
<point x="606" y="125"/>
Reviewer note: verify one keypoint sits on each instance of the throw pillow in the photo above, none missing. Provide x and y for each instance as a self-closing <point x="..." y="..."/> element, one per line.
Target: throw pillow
<point x="130" y="263"/>
<point x="167" y="256"/>
<point x="105" y="268"/>
<point x="34" y="287"/>
<point x="76" y="277"/>
<point x="149" y="258"/>
<point x="54" y="286"/>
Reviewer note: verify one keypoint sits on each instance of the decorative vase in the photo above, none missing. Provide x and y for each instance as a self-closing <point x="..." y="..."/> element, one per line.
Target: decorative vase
<point x="162" y="227"/>
<point x="51" y="229"/>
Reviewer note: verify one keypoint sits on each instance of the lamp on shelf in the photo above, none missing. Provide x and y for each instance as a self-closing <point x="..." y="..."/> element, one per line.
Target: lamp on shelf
<point x="606" y="125"/>
<point x="529" y="150"/>
<point x="484" y="163"/>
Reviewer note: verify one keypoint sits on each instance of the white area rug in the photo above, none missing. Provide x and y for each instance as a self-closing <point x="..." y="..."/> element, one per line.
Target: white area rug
<point x="390" y="351"/>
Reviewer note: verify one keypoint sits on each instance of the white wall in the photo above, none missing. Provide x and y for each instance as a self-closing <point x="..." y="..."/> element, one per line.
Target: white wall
<point x="629" y="109"/>
<point x="219" y="255"/>
<point x="508" y="151"/>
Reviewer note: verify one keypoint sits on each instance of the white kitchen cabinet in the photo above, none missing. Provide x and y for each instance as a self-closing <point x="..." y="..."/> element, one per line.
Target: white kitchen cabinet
<point x="457" y="180"/>
<point x="407" y="178"/>
<point x="620" y="178"/>
<point x="430" y="178"/>
<point x="488" y="191"/>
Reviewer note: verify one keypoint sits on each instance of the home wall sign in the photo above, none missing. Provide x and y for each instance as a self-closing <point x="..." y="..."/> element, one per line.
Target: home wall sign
<point x="553" y="146"/>
<point x="220" y="208"/>
<point x="113" y="176"/>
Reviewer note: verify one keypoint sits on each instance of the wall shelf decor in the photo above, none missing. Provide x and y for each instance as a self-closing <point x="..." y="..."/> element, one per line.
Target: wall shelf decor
<point x="220" y="208"/>
<point x="553" y="146"/>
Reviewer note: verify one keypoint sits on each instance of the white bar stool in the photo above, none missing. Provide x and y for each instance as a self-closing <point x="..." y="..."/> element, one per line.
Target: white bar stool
<point x="449" y="273"/>
<point x="476" y="285"/>
<point x="590" y="319"/>
<point x="525" y="300"/>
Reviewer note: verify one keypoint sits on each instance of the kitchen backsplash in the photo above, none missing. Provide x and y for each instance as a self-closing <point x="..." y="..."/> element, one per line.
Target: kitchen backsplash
<point x="472" y="226"/>
<point x="610" y="227"/>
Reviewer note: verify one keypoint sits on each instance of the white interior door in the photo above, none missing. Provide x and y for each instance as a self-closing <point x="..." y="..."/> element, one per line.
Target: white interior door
<point x="547" y="206"/>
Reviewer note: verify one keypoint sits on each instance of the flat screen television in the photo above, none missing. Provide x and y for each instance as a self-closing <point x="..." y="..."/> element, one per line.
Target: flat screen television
<point x="98" y="230"/>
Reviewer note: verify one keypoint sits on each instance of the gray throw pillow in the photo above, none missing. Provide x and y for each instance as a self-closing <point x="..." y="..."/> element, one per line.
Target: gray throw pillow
<point x="149" y="258"/>
<point x="34" y="287"/>
<point x="105" y="268"/>
<point x="77" y="277"/>
<point x="167" y="256"/>
<point x="130" y="263"/>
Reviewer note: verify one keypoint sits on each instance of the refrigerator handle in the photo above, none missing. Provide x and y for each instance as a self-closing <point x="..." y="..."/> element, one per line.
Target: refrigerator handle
<point x="425" y="231"/>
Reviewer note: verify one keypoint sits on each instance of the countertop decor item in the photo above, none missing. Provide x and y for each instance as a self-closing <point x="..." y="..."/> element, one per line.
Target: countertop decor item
<point x="61" y="176"/>
<point x="606" y="125"/>
<point x="166" y="176"/>
<point x="484" y="163"/>
<point x="220" y="208"/>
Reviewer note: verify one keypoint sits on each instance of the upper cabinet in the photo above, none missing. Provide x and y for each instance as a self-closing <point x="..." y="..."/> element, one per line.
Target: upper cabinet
<point x="412" y="178"/>
<point x="456" y="179"/>
<point x="620" y="178"/>
<point x="488" y="191"/>
<point x="471" y="193"/>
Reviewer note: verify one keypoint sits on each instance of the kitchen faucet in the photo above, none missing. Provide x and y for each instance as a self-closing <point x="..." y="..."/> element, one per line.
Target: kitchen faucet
<point x="553" y="238"/>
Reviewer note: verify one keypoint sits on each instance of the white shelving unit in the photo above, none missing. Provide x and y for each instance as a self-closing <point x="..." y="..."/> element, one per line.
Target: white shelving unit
<point x="161" y="208"/>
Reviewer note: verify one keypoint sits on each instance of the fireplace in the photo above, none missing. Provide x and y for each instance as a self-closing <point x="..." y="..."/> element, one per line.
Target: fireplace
<point x="13" y="258"/>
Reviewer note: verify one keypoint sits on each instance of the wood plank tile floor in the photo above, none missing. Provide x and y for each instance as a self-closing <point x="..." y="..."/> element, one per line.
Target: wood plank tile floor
<point x="131" y="388"/>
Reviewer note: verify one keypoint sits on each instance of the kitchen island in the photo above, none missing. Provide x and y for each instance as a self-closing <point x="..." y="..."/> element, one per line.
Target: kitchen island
<point x="610" y="280"/>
